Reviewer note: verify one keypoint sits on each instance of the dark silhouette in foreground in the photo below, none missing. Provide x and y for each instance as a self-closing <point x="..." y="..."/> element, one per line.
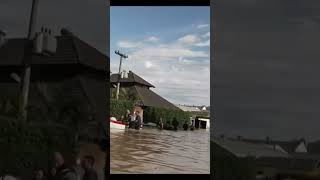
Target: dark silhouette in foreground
<point x="89" y="173"/>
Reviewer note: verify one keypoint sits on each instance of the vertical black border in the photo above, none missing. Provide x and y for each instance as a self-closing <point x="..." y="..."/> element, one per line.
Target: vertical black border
<point x="107" y="165"/>
<point x="160" y="2"/>
<point x="213" y="13"/>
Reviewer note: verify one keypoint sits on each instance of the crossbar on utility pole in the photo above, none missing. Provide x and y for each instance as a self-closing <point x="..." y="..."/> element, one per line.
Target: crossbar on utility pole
<point x="119" y="75"/>
<point x="27" y="70"/>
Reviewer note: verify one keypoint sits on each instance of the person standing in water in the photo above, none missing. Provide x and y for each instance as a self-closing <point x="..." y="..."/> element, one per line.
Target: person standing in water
<point x="160" y="124"/>
<point x="185" y="126"/>
<point x="138" y="121"/>
<point x="175" y="123"/>
<point x="130" y="119"/>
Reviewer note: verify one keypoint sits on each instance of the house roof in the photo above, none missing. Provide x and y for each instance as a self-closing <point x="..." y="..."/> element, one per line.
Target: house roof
<point x="141" y="87"/>
<point x="150" y="98"/>
<point x="188" y="108"/>
<point x="70" y="50"/>
<point x="288" y="146"/>
<point x="247" y="149"/>
<point x="132" y="78"/>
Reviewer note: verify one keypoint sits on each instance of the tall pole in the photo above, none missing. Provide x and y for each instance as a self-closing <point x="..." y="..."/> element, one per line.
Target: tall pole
<point x="33" y="19"/>
<point x="119" y="75"/>
<point x="27" y="71"/>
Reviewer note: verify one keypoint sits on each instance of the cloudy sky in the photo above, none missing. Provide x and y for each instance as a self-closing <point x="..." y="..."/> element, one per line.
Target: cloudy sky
<point x="267" y="65"/>
<point x="167" y="46"/>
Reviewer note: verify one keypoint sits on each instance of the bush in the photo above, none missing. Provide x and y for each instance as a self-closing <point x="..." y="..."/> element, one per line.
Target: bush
<point x="153" y="114"/>
<point x="120" y="107"/>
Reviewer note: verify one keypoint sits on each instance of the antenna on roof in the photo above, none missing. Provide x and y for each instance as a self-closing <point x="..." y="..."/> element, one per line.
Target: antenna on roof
<point x="118" y="85"/>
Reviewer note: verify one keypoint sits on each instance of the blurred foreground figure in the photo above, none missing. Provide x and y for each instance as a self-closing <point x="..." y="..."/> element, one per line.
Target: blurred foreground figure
<point x="62" y="171"/>
<point x="89" y="172"/>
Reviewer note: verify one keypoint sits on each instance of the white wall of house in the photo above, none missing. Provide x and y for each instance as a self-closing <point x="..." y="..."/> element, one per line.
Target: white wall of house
<point x="301" y="148"/>
<point x="207" y="120"/>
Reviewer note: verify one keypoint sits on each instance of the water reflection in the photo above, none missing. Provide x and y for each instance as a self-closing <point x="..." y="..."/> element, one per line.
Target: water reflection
<point x="156" y="151"/>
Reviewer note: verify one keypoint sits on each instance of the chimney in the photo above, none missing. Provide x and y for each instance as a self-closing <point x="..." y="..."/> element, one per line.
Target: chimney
<point x="66" y="32"/>
<point x="49" y="42"/>
<point x="44" y="42"/>
<point x="268" y="140"/>
<point x="2" y="37"/>
<point x="38" y="42"/>
<point x="239" y="138"/>
<point x="123" y="74"/>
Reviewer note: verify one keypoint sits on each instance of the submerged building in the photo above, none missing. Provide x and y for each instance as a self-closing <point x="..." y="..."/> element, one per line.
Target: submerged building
<point x="136" y="88"/>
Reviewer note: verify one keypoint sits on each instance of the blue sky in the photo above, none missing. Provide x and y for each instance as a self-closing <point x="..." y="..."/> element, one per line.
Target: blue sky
<point x="167" y="46"/>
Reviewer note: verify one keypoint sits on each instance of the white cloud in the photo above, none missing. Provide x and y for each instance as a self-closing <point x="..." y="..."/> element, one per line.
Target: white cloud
<point x="203" y="44"/>
<point x="148" y="64"/>
<point x="128" y="44"/>
<point x="202" y="26"/>
<point x="206" y="35"/>
<point x="189" y="39"/>
<point x="152" y="39"/>
<point x="165" y="53"/>
<point x="179" y="73"/>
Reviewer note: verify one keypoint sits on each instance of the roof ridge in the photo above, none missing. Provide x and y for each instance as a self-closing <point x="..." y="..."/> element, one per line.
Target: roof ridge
<point x="140" y="80"/>
<point x="165" y="99"/>
<point x="75" y="48"/>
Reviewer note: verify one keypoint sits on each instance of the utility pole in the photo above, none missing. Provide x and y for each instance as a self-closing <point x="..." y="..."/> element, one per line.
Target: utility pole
<point x="27" y="69"/>
<point x="119" y="76"/>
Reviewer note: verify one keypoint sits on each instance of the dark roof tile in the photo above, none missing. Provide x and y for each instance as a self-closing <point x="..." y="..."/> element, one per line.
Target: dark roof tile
<point x="150" y="98"/>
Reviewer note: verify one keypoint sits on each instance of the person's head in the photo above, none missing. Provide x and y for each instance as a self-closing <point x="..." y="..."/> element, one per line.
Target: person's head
<point x="87" y="162"/>
<point x="58" y="158"/>
<point x="78" y="161"/>
<point x="53" y="171"/>
<point x="39" y="174"/>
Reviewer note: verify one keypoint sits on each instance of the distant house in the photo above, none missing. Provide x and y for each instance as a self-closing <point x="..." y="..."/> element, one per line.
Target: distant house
<point x="235" y="159"/>
<point x="294" y="146"/>
<point x="188" y="108"/>
<point x="139" y="89"/>
<point x="67" y="75"/>
<point x="273" y="158"/>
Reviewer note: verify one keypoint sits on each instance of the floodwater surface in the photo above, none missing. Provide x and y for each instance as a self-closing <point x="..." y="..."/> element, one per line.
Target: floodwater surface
<point x="154" y="151"/>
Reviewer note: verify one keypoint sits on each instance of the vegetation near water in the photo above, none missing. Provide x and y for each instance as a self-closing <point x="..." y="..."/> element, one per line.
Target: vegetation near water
<point x="119" y="108"/>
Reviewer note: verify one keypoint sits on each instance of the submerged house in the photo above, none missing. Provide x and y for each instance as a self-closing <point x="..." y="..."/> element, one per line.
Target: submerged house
<point x="67" y="94"/>
<point x="134" y="87"/>
<point x="200" y="118"/>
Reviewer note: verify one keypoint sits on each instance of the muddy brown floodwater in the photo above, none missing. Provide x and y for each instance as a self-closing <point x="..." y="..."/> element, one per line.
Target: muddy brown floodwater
<point x="154" y="151"/>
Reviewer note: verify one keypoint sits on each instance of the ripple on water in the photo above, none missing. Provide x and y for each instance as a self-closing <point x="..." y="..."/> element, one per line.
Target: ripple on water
<point x="155" y="151"/>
